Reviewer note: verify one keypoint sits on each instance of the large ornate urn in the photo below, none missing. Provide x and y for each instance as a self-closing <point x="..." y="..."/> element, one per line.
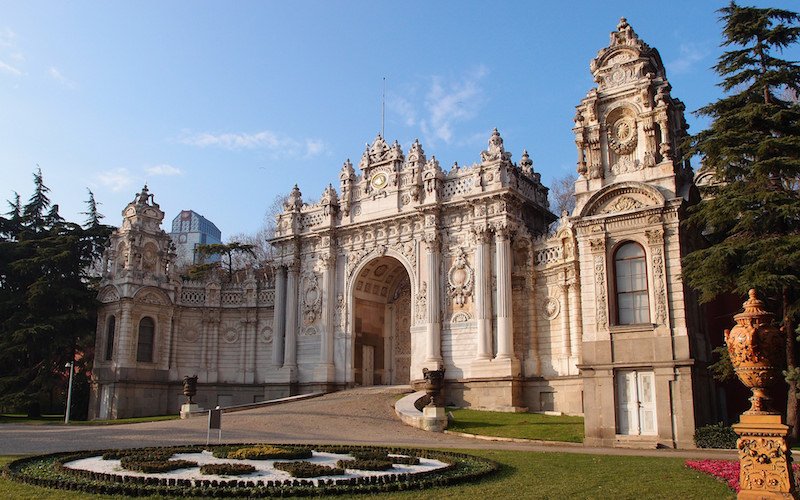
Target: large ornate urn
<point x="189" y="388"/>
<point x="434" y="383"/>
<point x="757" y="350"/>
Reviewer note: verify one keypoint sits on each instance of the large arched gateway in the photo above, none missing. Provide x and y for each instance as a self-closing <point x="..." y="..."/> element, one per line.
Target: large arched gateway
<point x="380" y="293"/>
<point x="408" y="266"/>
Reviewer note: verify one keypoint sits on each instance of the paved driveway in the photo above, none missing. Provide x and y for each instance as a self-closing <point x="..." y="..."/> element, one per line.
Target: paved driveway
<point x="357" y="416"/>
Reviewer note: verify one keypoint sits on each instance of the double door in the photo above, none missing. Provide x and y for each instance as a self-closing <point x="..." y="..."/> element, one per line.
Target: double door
<point x="636" y="402"/>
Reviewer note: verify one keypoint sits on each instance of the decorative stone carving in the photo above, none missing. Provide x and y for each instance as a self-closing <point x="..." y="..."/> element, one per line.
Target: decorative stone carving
<point x="623" y="204"/>
<point x="622" y="137"/>
<point x="108" y="295"/>
<point x="309" y="331"/>
<point x="757" y="351"/>
<point x="460" y="278"/>
<point x="311" y="298"/>
<point x="190" y="333"/>
<point x="150" y="298"/>
<point x="765" y="465"/>
<point x="231" y="336"/>
<point x="601" y="303"/>
<point x="660" y="287"/>
<point x="422" y="297"/>
<point x="551" y="307"/>
<point x="266" y="335"/>
<point x="460" y="317"/>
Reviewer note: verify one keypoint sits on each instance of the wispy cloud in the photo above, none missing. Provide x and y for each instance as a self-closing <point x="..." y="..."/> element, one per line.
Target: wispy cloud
<point x="442" y="106"/>
<point x="163" y="170"/>
<point x="116" y="179"/>
<point x="9" y="69"/>
<point x="278" y="145"/>
<point x="56" y="75"/>
<point x="9" y="52"/>
<point x="690" y="54"/>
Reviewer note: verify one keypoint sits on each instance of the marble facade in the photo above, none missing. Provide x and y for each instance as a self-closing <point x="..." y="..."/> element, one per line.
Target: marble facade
<point x="408" y="266"/>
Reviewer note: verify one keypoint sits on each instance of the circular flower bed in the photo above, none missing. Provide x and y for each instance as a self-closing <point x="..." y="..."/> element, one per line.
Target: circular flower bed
<point x="101" y="471"/>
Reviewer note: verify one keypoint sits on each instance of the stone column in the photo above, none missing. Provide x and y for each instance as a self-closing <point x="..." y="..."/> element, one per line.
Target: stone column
<point x="290" y="347"/>
<point x="279" y="316"/>
<point x="433" y="257"/>
<point x="577" y="337"/>
<point x="326" y="368"/>
<point x="483" y="296"/>
<point x="505" y="316"/>
<point x="566" y="346"/>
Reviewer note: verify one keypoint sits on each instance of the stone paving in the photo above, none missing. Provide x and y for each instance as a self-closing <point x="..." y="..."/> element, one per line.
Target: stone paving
<point x="357" y="416"/>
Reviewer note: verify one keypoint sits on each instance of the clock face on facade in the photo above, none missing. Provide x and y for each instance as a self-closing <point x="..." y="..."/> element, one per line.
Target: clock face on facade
<point x="379" y="180"/>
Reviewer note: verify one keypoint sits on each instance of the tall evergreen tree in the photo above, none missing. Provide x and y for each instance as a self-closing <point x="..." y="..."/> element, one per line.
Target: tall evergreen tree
<point x="751" y="217"/>
<point x="47" y="301"/>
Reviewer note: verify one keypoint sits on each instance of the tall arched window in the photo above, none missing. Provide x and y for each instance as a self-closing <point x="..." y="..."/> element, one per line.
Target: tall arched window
<point x="147" y="333"/>
<point x="112" y="324"/>
<point x="630" y="270"/>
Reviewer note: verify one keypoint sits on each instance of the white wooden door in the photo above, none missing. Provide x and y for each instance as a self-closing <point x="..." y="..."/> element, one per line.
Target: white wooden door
<point x="636" y="403"/>
<point x="367" y="365"/>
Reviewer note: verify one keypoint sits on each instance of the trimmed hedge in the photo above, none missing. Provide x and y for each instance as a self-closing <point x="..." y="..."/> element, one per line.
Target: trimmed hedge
<point x="135" y="463"/>
<point x="715" y="436"/>
<point x="308" y="469"/>
<point x="372" y="464"/>
<point x="384" y="456"/>
<point x="267" y="452"/>
<point x="227" y="469"/>
<point x="49" y="471"/>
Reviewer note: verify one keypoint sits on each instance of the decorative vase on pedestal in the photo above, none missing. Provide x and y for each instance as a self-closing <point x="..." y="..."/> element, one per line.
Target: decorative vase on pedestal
<point x="189" y="390"/>
<point x="757" y="349"/>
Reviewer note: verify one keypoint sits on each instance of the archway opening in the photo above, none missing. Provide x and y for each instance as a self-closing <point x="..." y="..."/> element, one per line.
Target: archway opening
<point x="382" y="324"/>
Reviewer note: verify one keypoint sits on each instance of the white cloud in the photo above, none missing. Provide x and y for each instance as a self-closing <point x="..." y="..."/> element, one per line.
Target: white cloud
<point x="56" y="75"/>
<point x="277" y="144"/>
<point x="446" y="104"/>
<point x="116" y="179"/>
<point x="690" y="53"/>
<point x="11" y="70"/>
<point x="314" y="147"/>
<point x="7" y="38"/>
<point x="163" y="169"/>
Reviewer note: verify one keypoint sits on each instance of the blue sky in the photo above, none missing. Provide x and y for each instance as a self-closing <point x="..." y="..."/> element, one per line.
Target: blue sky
<point x="221" y="106"/>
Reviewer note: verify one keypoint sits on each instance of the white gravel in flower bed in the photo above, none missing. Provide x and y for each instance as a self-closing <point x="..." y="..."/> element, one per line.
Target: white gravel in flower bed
<point x="264" y="470"/>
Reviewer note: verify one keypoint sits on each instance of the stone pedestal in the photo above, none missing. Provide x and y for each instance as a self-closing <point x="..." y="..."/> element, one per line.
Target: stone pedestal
<point x="434" y="418"/>
<point x="765" y="460"/>
<point x="187" y="409"/>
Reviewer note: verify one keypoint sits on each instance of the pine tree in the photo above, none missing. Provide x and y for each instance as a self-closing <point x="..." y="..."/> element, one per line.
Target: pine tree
<point x="751" y="217"/>
<point x="47" y="301"/>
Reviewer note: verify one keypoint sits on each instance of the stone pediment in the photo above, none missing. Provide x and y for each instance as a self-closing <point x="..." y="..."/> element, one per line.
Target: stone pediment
<point x="152" y="296"/>
<point x="108" y="294"/>
<point x="623" y="197"/>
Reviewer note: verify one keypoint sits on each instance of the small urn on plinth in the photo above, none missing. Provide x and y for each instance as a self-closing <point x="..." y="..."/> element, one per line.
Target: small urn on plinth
<point x="757" y="349"/>
<point x="433" y="413"/>
<point x="189" y="390"/>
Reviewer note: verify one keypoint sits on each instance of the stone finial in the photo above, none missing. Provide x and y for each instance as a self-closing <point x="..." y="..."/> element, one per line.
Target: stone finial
<point x="395" y="152"/>
<point x="347" y="172"/>
<point x="496" y="151"/>
<point x="416" y="154"/>
<point x="329" y="196"/>
<point x="378" y="150"/>
<point x="365" y="159"/>
<point x="526" y="164"/>
<point x="294" y="202"/>
<point x="624" y="34"/>
<point x="143" y="197"/>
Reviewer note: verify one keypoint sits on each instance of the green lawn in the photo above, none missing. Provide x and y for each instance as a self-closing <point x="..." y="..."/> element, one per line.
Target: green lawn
<point x="518" y="425"/>
<point x="525" y="475"/>
<point x="8" y="418"/>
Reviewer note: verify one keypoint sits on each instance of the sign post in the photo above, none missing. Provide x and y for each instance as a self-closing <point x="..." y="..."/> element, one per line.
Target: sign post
<point x="214" y="422"/>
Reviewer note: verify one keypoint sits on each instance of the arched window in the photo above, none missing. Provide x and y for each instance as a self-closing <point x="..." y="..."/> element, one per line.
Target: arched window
<point x="112" y="324"/>
<point x="147" y="333"/>
<point x="630" y="270"/>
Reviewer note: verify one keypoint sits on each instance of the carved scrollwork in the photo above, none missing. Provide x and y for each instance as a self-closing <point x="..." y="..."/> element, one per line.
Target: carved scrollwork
<point x="460" y="279"/>
<point x="312" y="297"/>
<point x="552" y="307"/>
<point x="422" y="301"/>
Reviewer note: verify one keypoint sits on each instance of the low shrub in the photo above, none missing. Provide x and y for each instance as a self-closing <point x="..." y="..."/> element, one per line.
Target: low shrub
<point x="267" y="452"/>
<point x="227" y="469"/>
<point x="141" y="455"/>
<point x="715" y="436"/>
<point x="365" y="464"/>
<point x="308" y="469"/>
<point x="135" y="463"/>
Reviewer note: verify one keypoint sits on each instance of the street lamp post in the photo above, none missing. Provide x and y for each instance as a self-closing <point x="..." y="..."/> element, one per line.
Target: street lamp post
<point x="71" y="366"/>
